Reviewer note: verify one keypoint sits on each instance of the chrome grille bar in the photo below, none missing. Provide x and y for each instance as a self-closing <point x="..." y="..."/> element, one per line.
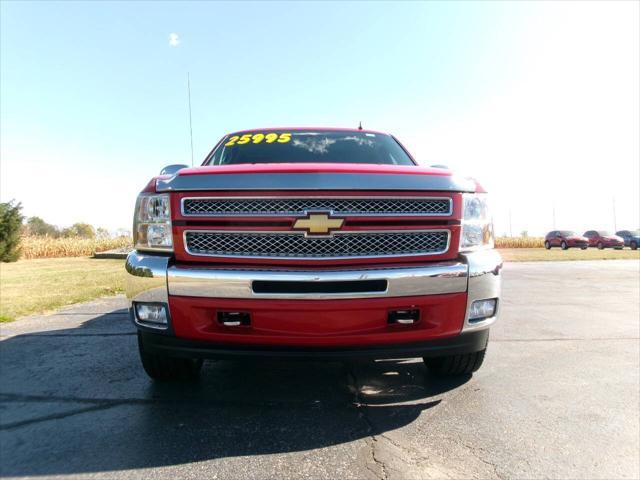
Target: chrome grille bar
<point x="283" y="206"/>
<point x="295" y="245"/>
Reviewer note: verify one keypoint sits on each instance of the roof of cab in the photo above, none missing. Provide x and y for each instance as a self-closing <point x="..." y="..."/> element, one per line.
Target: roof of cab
<point x="305" y="129"/>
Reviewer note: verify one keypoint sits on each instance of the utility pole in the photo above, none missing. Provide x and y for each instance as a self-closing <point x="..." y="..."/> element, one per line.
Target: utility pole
<point x="190" y="126"/>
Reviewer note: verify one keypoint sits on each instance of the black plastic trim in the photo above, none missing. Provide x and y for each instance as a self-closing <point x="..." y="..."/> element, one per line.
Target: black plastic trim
<point x="178" y="347"/>
<point x="348" y="286"/>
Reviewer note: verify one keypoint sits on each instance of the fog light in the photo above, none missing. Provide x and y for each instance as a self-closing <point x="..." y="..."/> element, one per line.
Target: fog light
<point x="152" y="313"/>
<point x="481" y="309"/>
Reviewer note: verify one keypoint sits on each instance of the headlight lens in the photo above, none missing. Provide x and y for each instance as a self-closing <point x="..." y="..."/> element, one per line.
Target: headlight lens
<point x="477" y="223"/>
<point x="152" y="223"/>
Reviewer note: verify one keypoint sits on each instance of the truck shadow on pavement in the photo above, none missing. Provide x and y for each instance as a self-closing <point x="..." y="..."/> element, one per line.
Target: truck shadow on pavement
<point x="77" y="401"/>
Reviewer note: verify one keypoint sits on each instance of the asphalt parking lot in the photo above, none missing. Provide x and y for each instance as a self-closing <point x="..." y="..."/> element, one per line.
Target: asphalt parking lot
<point x="557" y="397"/>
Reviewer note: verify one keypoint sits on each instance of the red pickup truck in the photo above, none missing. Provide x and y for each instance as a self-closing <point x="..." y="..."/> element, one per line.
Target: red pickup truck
<point x="307" y="242"/>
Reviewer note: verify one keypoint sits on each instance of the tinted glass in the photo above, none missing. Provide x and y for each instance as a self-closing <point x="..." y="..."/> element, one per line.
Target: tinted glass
<point x="567" y="233"/>
<point x="309" y="147"/>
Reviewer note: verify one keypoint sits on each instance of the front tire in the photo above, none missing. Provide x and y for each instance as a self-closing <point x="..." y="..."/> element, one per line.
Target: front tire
<point x="547" y="245"/>
<point x="163" y="368"/>
<point x="633" y="245"/>
<point x="564" y="245"/>
<point x="583" y="248"/>
<point x="600" y="246"/>
<point x="453" y="365"/>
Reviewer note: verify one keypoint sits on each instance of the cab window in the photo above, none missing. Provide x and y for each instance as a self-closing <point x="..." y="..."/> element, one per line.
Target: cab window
<point x="312" y="146"/>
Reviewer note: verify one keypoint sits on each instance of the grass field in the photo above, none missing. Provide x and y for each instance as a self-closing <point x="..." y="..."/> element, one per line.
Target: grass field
<point x="556" y="254"/>
<point x="41" y="285"/>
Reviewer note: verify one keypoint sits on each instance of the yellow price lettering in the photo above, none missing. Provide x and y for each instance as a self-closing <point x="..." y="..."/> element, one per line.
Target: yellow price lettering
<point x="232" y="141"/>
<point x="258" y="138"/>
<point x="271" y="137"/>
<point x="244" y="139"/>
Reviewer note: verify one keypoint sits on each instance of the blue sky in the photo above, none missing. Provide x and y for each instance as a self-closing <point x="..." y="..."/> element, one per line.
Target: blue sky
<point x="534" y="99"/>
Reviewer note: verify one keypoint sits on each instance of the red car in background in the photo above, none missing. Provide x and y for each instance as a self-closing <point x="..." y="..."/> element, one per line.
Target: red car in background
<point x="603" y="239"/>
<point x="565" y="239"/>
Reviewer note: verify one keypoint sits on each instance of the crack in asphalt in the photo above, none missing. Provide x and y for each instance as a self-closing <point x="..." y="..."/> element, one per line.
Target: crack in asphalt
<point x="18" y="397"/>
<point x="383" y="468"/>
<point x="474" y="452"/>
<point x="362" y="415"/>
<point x="96" y="404"/>
<point x="170" y="400"/>
<point x="57" y="416"/>
<point x="44" y="335"/>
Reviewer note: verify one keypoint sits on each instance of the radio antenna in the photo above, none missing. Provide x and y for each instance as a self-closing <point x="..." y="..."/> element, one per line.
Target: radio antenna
<point x="190" y="124"/>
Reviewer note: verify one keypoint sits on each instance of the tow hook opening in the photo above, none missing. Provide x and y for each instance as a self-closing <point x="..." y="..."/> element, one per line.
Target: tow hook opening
<point x="404" y="317"/>
<point x="234" y="319"/>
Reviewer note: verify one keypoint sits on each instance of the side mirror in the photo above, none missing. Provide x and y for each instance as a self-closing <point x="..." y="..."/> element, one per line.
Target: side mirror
<point x="172" y="169"/>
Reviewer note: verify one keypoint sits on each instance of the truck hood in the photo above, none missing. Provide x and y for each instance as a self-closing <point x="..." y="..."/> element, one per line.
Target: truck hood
<point x="316" y="176"/>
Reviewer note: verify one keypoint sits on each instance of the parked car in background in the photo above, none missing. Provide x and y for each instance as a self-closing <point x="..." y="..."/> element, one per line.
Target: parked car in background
<point x="565" y="239"/>
<point x="631" y="238"/>
<point x="603" y="239"/>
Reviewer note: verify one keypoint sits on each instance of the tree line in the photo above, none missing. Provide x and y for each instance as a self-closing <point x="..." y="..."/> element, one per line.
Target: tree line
<point x="13" y="226"/>
<point x="38" y="227"/>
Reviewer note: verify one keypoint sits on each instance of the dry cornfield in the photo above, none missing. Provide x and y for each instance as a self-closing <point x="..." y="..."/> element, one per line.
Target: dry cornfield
<point x="519" y="242"/>
<point x="48" y="247"/>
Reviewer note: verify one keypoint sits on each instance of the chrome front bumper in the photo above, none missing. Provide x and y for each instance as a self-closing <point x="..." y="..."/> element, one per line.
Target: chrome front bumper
<point x="152" y="278"/>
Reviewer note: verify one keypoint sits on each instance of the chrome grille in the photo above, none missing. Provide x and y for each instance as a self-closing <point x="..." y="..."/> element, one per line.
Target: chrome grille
<point x="297" y="245"/>
<point x="299" y="206"/>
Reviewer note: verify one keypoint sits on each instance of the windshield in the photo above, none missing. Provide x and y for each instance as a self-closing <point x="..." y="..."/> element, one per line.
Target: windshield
<point x="309" y="147"/>
<point x="604" y="233"/>
<point x="567" y="233"/>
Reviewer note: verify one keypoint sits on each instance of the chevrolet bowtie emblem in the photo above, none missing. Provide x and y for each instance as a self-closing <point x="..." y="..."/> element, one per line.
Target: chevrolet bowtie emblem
<point x="318" y="224"/>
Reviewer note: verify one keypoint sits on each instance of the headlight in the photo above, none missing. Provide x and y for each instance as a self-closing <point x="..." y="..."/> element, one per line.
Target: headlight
<point x="152" y="223"/>
<point x="477" y="224"/>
